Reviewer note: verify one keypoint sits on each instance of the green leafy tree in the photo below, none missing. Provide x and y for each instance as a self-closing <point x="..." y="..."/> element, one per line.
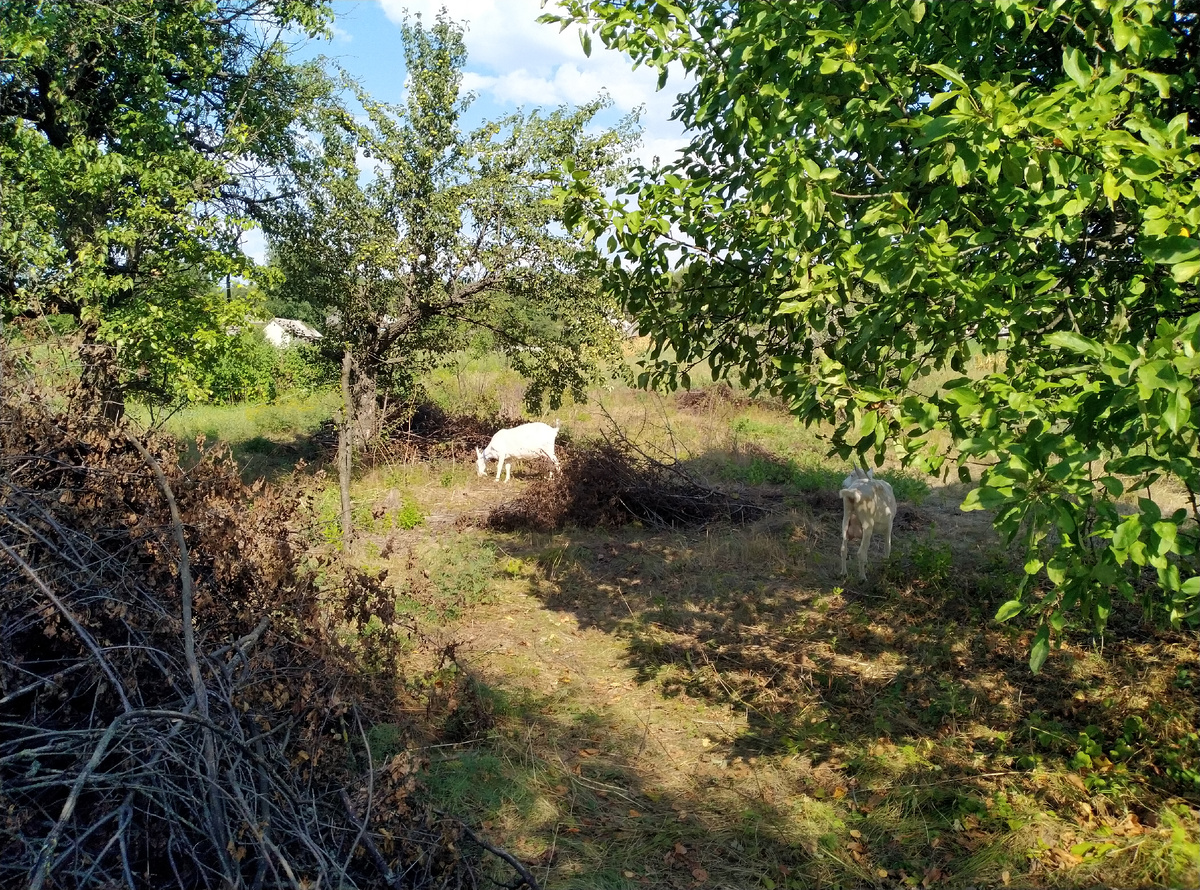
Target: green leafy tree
<point x="134" y="138"/>
<point x="872" y="190"/>
<point x="445" y="232"/>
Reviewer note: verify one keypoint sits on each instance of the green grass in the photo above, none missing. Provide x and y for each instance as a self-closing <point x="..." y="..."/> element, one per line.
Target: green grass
<point x="290" y="417"/>
<point x="266" y="439"/>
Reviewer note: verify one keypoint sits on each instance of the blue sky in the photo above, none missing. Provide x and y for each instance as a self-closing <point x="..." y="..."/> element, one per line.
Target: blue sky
<point x="513" y="62"/>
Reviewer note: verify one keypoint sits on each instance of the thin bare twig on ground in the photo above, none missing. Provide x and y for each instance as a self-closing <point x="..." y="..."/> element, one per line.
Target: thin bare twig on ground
<point x="79" y="629"/>
<point x="512" y="860"/>
<point x="364" y="837"/>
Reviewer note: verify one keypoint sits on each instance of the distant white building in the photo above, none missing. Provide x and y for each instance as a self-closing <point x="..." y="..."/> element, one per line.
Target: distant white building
<point x="283" y="332"/>
<point x="626" y="328"/>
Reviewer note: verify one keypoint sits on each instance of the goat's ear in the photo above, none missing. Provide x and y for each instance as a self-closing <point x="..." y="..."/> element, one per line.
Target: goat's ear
<point x="853" y="494"/>
<point x="478" y="452"/>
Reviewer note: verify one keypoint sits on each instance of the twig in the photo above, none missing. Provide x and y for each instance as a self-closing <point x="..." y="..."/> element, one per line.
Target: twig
<point x="79" y="629"/>
<point x="496" y="851"/>
<point x="390" y="877"/>
<point x="362" y="829"/>
<point x="40" y="870"/>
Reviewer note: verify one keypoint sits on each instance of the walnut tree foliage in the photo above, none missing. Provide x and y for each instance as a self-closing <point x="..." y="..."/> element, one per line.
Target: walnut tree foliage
<point x="411" y="232"/>
<point x="874" y="191"/>
<point x="135" y="138"/>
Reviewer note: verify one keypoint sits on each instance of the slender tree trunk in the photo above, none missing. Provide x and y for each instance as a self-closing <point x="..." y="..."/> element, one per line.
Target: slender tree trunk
<point x="345" y="451"/>
<point x="100" y="378"/>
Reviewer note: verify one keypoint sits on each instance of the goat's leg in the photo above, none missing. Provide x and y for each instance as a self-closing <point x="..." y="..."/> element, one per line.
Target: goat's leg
<point x="508" y="471"/>
<point x="867" y="527"/>
<point x="499" y="467"/>
<point x="845" y="538"/>
<point x="887" y="537"/>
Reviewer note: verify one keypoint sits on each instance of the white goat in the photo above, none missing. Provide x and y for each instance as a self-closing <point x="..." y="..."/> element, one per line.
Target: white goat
<point x="872" y="503"/>
<point x="526" y="440"/>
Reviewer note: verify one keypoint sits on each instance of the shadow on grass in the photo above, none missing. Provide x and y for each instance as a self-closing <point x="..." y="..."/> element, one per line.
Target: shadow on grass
<point x="904" y="722"/>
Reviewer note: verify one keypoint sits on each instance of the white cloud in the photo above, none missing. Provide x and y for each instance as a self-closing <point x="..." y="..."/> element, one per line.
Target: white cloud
<point x="514" y="60"/>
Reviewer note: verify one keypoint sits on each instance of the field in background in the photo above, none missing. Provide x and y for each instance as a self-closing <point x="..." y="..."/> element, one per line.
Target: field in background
<point x="716" y="707"/>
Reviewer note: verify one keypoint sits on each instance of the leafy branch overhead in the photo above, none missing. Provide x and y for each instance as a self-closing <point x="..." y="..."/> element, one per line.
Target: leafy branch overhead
<point x="876" y="192"/>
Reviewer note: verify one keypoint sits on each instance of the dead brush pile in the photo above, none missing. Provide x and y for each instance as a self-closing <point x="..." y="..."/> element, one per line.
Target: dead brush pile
<point x="183" y="688"/>
<point x="423" y="431"/>
<point x="606" y="483"/>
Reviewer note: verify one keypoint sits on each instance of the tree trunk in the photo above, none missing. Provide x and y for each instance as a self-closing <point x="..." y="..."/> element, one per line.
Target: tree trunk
<point x="368" y="418"/>
<point x="345" y="452"/>
<point x="100" y="378"/>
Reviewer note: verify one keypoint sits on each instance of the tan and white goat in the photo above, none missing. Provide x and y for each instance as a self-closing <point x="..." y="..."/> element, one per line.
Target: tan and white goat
<point x="871" y="502"/>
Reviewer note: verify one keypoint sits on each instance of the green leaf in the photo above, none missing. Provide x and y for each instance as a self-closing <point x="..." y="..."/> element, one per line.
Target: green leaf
<point x="1040" y="649"/>
<point x="1183" y="272"/>
<point x="1157" y="80"/>
<point x="984" y="498"/>
<point x="585" y="40"/>
<point x="1008" y="610"/>
<point x="1126" y="535"/>
<point x="1172" y="250"/>
<point x="1140" y="167"/>
<point x="950" y="74"/>
<point x="1076" y="66"/>
<point x="1177" y="411"/>
<point x="1073" y="342"/>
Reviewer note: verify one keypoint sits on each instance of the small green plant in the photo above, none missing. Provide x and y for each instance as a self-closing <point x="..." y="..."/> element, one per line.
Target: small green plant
<point x="409" y="516"/>
<point x="932" y="563"/>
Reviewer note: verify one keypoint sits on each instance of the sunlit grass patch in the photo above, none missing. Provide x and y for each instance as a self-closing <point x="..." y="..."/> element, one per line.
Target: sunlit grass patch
<point x="290" y="416"/>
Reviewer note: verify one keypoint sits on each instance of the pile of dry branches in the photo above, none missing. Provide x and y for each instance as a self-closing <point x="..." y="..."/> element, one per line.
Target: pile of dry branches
<point x="183" y="693"/>
<point x="611" y="483"/>
<point x="420" y="431"/>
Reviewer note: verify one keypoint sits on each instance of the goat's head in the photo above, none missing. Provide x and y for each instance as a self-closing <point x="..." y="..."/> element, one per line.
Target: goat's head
<point x="480" y="462"/>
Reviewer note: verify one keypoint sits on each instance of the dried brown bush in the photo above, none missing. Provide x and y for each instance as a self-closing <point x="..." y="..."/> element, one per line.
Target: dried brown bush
<point x="420" y="431"/>
<point x="609" y="483"/>
<point x="140" y="749"/>
<point x="698" y="401"/>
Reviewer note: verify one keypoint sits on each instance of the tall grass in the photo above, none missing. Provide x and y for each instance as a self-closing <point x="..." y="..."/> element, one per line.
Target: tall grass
<point x="291" y="416"/>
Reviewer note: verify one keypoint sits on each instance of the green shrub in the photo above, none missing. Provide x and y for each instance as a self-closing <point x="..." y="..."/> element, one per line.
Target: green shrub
<point x="246" y="370"/>
<point x="304" y="368"/>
